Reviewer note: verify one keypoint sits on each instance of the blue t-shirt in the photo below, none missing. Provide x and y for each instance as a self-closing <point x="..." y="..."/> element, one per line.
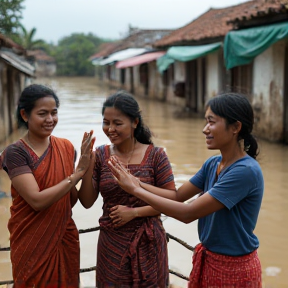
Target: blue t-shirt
<point x="239" y="187"/>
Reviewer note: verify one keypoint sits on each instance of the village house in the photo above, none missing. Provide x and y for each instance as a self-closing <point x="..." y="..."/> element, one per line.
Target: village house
<point x="192" y="67"/>
<point x="258" y="51"/>
<point x="135" y="76"/>
<point x="45" y="65"/>
<point x="15" y="74"/>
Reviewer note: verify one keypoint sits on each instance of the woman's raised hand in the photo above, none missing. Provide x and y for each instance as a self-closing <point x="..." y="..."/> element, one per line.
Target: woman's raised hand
<point x="127" y="181"/>
<point x="86" y="152"/>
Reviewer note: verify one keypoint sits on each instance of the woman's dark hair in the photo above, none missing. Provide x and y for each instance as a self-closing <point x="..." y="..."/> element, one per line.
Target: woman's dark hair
<point x="28" y="98"/>
<point x="235" y="107"/>
<point x="126" y="103"/>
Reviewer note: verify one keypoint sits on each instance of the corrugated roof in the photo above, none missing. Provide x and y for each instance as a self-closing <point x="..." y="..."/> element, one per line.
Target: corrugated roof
<point x="123" y="54"/>
<point x="17" y="62"/>
<point x="213" y="23"/>
<point x="137" y="60"/>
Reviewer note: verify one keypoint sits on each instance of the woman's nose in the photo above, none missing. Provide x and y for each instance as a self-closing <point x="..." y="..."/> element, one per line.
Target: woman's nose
<point x="49" y="118"/>
<point x="206" y="129"/>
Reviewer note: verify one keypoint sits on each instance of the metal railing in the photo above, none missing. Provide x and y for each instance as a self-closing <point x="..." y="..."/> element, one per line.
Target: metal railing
<point x="93" y="268"/>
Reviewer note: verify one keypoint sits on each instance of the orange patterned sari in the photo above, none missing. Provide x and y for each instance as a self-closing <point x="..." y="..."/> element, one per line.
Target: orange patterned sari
<point x="45" y="244"/>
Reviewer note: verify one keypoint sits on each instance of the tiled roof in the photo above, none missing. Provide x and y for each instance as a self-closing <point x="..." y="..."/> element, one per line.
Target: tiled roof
<point x="261" y="9"/>
<point x="7" y="42"/>
<point x="40" y="55"/>
<point x="141" y="38"/>
<point x="137" y="38"/>
<point x="215" y="23"/>
<point x="104" y="50"/>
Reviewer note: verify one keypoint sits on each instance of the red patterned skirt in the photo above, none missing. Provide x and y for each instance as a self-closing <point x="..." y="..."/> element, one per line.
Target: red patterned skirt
<point x="212" y="270"/>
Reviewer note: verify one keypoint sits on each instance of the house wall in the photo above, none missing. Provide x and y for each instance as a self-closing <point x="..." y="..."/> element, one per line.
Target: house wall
<point x="44" y="68"/>
<point x="268" y="84"/>
<point x="179" y="76"/>
<point x="3" y="102"/>
<point x="138" y="87"/>
<point x="154" y="85"/>
<point x="212" y="75"/>
<point x="12" y="82"/>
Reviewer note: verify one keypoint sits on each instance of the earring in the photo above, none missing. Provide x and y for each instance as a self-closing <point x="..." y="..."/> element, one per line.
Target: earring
<point x="246" y="148"/>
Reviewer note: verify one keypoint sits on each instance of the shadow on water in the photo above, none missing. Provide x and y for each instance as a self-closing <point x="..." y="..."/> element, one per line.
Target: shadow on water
<point x="80" y="110"/>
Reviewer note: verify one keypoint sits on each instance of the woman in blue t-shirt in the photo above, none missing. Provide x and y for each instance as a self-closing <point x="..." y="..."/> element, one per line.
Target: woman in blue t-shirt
<point x="230" y="188"/>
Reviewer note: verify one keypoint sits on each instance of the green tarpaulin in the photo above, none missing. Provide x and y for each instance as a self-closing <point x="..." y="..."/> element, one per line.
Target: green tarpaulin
<point x="184" y="54"/>
<point x="164" y="62"/>
<point x="242" y="46"/>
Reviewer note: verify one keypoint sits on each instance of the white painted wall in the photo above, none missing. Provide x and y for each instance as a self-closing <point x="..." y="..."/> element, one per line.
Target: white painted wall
<point x="212" y="74"/>
<point x="268" y="84"/>
<point x="179" y="76"/>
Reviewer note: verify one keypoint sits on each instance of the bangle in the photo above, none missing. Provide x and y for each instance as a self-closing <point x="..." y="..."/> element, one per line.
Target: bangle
<point x="69" y="179"/>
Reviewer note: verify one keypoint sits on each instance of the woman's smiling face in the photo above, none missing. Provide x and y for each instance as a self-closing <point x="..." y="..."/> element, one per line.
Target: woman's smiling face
<point x="117" y="126"/>
<point x="43" y="117"/>
<point x="218" y="133"/>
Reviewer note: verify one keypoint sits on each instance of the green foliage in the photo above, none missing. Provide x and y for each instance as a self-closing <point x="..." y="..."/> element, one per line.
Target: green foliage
<point x="72" y="54"/>
<point x="26" y="39"/>
<point x="10" y="16"/>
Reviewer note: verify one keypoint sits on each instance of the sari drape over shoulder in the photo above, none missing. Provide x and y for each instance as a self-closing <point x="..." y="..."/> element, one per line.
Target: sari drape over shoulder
<point x="45" y="244"/>
<point x="135" y="254"/>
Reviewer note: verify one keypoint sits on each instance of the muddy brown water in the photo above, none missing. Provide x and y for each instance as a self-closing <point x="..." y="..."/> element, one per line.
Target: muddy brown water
<point x="80" y="110"/>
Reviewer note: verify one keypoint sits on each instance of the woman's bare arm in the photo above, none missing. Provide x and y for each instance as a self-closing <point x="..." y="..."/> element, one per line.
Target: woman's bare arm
<point x="27" y="187"/>
<point x="88" y="193"/>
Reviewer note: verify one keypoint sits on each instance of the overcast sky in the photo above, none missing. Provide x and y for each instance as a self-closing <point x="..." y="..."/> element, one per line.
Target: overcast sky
<point x="55" y="19"/>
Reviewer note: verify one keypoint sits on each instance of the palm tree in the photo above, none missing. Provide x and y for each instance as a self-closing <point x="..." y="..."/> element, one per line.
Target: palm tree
<point x="26" y="39"/>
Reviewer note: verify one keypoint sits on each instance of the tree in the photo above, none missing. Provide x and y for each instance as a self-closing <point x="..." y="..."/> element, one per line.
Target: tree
<point x="26" y="39"/>
<point x="72" y="54"/>
<point x="10" y="16"/>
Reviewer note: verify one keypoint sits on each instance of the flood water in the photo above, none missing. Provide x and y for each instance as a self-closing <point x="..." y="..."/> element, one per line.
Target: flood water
<point x="80" y="110"/>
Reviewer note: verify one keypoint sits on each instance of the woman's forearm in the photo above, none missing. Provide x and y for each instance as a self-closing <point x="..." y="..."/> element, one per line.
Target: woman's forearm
<point x="166" y="193"/>
<point x="146" y="211"/>
<point x="87" y="194"/>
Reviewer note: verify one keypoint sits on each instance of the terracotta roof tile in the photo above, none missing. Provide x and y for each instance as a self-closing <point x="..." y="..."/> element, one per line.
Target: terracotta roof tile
<point x="216" y="23"/>
<point x="7" y="42"/>
<point x="261" y="8"/>
<point x="138" y="38"/>
<point x="40" y="55"/>
<point x="104" y="50"/>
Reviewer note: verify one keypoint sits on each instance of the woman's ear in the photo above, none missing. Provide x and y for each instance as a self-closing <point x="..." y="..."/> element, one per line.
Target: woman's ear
<point x="135" y="123"/>
<point x="24" y="115"/>
<point x="237" y="126"/>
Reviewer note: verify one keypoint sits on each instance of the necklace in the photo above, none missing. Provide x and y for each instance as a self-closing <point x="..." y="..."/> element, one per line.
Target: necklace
<point x="30" y="145"/>
<point x="130" y="156"/>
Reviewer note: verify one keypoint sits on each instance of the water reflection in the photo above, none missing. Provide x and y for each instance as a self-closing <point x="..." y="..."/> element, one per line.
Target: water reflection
<point x="80" y="110"/>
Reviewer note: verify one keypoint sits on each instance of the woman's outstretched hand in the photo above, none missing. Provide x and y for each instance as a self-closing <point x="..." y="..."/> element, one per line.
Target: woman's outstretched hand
<point x="127" y="181"/>
<point x="86" y="152"/>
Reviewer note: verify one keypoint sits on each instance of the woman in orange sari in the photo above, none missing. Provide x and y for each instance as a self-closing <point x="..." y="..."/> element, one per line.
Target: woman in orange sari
<point x="43" y="236"/>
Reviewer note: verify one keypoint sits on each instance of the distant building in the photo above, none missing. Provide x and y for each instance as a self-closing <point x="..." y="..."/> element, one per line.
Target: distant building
<point x="15" y="74"/>
<point x="45" y="65"/>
